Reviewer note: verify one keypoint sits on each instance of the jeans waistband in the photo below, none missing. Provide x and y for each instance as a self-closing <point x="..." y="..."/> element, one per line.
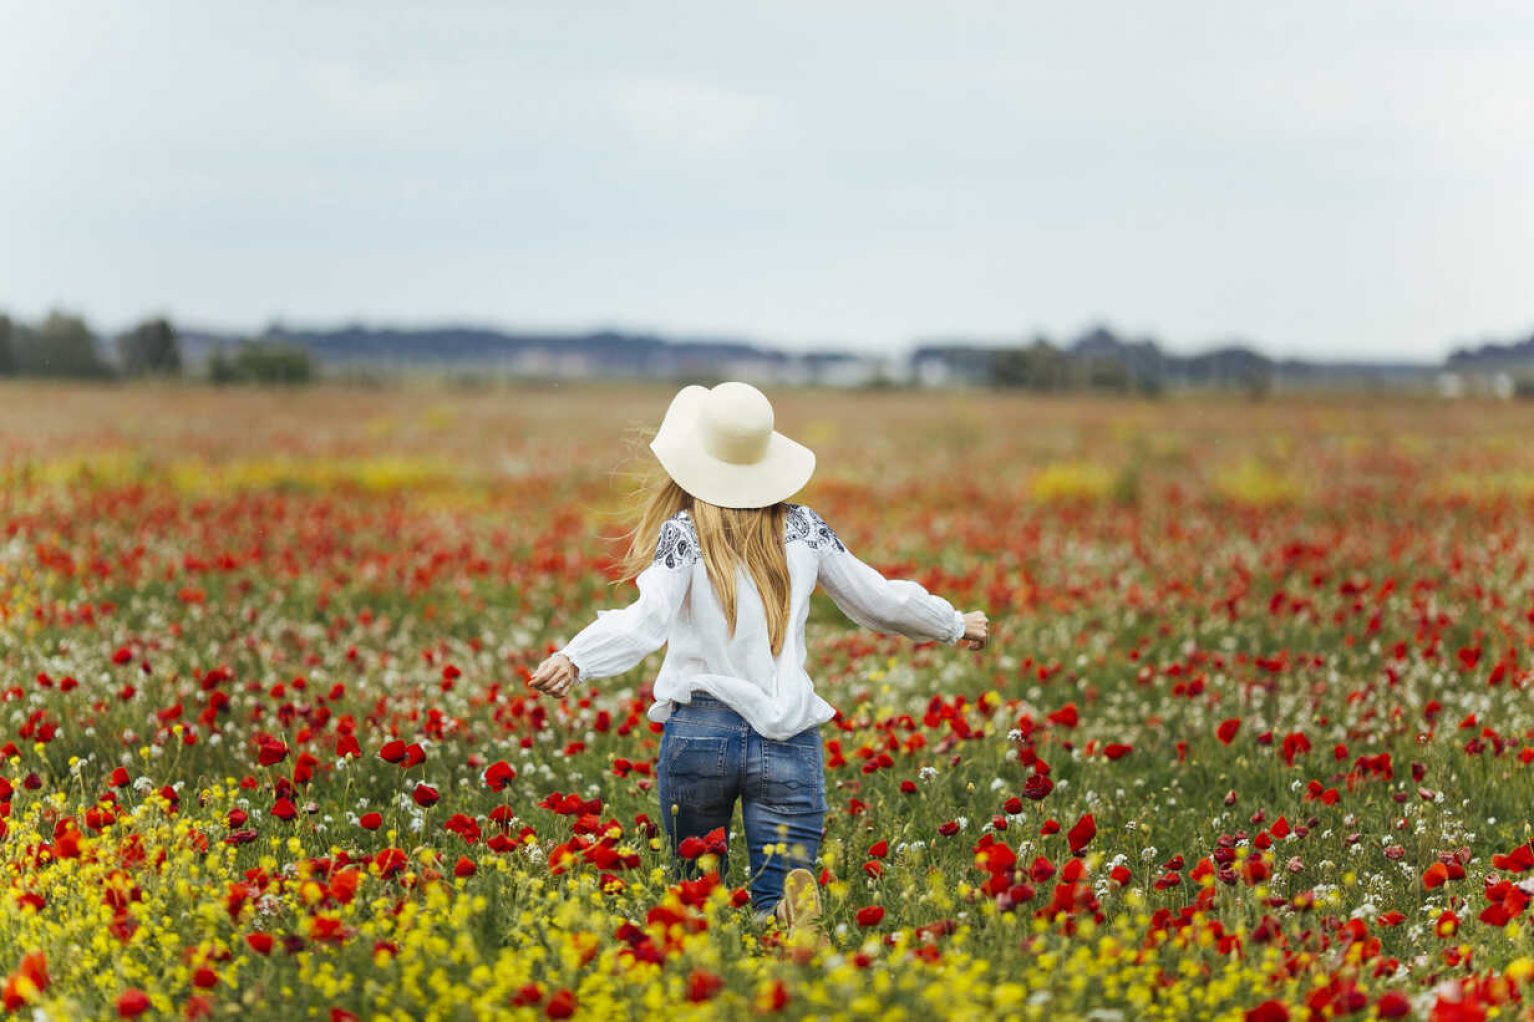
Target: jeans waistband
<point x="705" y="706"/>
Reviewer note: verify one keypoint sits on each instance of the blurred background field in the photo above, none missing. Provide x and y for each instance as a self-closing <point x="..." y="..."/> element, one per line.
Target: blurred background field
<point x="935" y="443"/>
<point x="1028" y="504"/>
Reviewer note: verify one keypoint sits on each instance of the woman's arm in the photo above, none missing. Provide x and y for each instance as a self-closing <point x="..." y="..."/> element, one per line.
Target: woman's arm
<point x="619" y="639"/>
<point x="885" y="605"/>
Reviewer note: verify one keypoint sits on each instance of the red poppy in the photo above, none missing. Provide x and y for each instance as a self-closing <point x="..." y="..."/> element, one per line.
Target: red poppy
<point x="1065" y="716"/>
<point x="370" y="821"/>
<point x="561" y="1005"/>
<point x="425" y="795"/>
<point x="271" y="751"/>
<point x="1226" y="732"/>
<point x="343" y="886"/>
<point x="29" y="979"/>
<point x="132" y="1003"/>
<point x="390" y="862"/>
<point x="775" y="999"/>
<point x="499" y="774"/>
<point x="712" y="843"/>
<point x="1519" y="860"/>
<point x="1037" y="786"/>
<point x="703" y="986"/>
<point x="1295" y="744"/>
<point x="1081" y="834"/>
<point x="870" y="915"/>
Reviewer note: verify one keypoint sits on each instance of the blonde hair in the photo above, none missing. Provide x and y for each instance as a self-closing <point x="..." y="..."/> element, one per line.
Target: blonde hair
<point x="727" y="538"/>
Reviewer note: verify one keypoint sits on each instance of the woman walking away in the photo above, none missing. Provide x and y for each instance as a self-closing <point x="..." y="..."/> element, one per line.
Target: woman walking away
<point x="725" y="568"/>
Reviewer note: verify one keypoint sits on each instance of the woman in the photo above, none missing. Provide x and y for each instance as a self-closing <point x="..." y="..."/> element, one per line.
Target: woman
<point x="725" y="567"/>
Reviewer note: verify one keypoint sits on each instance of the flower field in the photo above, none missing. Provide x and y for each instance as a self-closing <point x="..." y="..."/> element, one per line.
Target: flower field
<point x="1253" y="739"/>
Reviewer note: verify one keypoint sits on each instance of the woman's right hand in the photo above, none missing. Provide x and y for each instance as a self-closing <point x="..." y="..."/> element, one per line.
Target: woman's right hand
<point x="556" y="675"/>
<point x="977" y="629"/>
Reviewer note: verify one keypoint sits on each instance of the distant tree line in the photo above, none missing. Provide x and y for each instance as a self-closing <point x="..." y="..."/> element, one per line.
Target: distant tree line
<point x="1097" y="361"/>
<point x="64" y="346"/>
<point x="261" y="362"/>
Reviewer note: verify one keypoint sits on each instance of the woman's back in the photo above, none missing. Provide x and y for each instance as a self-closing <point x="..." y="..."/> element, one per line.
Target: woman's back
<point x="679" y="606"/>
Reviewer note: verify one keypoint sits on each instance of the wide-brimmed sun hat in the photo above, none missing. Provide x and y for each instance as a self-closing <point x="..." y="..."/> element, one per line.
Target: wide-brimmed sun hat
<point x="719" y="445"/>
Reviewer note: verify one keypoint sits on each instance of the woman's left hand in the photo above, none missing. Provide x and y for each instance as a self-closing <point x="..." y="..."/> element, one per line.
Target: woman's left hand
<point x="977" y="630"/>
<point x="556" y="675"/>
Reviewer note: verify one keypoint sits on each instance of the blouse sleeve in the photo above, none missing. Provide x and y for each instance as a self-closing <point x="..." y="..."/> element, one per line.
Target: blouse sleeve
<point x="900" y="606"/>
<point x="618" y="639"/>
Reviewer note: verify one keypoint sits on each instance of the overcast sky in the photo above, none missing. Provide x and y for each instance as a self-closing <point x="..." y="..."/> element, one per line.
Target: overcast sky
<point x="1325" y="178"/>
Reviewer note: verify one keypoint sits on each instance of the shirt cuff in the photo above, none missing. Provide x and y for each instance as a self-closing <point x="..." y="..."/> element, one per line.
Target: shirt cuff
<point x="956" y="630"/>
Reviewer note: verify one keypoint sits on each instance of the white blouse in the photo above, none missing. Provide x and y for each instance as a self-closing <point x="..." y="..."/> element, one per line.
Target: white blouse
<point x="677" y="606"/>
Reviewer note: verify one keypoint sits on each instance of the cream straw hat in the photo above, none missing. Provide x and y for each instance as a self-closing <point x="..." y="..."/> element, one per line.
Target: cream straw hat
<point x="719" y="445"/>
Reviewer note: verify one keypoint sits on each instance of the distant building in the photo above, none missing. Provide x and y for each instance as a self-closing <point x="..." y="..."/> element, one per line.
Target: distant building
<point x="946" y="365"/>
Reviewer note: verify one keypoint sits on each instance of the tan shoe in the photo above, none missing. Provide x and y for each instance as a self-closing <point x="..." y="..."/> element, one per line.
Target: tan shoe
<point x="799" y="911"/>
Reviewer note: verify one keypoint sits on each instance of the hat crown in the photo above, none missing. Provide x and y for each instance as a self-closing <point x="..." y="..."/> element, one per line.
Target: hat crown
<point x="736" y="423"/>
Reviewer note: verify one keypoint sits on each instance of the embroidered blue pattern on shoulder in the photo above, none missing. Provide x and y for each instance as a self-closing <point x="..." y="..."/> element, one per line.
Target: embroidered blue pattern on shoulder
<point x="804" y="524"/>
<point x="677" y="546"/>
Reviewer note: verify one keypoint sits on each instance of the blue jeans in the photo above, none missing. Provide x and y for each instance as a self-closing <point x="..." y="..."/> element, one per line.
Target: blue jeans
<point x="709" y="757"/>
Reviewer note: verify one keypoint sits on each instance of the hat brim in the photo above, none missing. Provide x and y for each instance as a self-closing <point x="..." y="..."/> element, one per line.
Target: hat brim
<point x="781" y="473"/>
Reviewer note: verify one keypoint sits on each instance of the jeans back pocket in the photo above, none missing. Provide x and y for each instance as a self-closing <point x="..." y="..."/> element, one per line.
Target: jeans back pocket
<point x="792" y="776"/>
<point x="692" y="771"/>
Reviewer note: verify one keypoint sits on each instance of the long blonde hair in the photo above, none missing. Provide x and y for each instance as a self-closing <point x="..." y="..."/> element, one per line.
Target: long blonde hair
<point x="727" y="537"/>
